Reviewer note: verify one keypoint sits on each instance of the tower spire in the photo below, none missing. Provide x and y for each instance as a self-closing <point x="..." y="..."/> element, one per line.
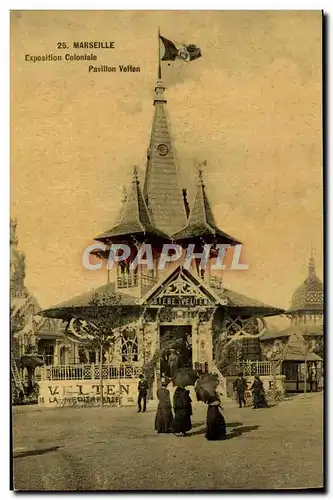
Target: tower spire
<point x="162" y="190"/>
<point x="135" y="220"/>
<point x="312" y="266"/>
<point x="201" y="222"/>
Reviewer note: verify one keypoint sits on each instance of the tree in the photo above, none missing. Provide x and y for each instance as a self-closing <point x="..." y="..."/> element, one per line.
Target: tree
<point x="227" y="353"/>
<point x="99" y="326"/>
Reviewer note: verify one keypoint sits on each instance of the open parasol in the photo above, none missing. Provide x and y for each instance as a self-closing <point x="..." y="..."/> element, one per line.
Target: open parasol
<point x="206" y="386"/>
<point x="185" y="376"/>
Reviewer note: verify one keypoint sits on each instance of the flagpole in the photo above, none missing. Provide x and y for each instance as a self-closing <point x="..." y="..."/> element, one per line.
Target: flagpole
<point x="159" y="74"/>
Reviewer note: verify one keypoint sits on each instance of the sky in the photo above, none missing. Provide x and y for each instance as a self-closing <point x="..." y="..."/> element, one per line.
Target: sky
<point x="250" y="106"/>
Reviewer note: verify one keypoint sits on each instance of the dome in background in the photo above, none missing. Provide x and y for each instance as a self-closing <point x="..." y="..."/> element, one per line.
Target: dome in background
<point x="310" y="295"/>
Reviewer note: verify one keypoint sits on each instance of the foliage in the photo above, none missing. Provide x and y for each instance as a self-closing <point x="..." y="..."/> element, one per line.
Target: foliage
<point x="18" y="319"/>
<point x="101" y="325"/>
<point x="103" y="318"/>
<point x="276" y="396"/>
<point x="227" y="353"/>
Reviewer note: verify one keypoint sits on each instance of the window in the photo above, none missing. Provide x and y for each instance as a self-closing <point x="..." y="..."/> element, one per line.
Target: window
<point x="126" y="278"/>
<point x="290" y="370"/>
<point x="62" y="355"/>
<point x="251" y="349"/>
<point x="92" y="356"/>
<point x="48" y="354"/>
<point x="129" y="347"/>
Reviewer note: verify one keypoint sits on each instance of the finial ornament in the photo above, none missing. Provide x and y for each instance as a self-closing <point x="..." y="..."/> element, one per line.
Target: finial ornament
<point x="312" y="268"/>
<point x="200" y="171"/>
<point x="124" y="194"/>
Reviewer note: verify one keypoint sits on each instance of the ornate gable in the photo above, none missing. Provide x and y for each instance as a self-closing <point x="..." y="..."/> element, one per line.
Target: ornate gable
<point x="181" y="289"/>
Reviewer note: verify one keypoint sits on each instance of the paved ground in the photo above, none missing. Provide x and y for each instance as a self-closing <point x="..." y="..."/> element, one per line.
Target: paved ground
<point x="117" y="449"/>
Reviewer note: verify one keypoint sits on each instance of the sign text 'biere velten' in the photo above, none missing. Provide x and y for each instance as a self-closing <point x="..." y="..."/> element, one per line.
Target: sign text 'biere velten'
<point x="178" y="301"/>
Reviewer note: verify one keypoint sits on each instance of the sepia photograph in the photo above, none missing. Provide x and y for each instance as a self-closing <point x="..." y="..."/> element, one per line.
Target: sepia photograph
<point x="166" y="250"/>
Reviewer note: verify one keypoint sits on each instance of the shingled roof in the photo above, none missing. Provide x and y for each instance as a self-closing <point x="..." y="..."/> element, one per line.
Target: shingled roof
<point x="305" y="330"/>
<point x="162" y="190"/>
<point x="79" y="305"/>
<point x="135" y="220"/>
<point x="241" y="304"/>
<point x="201" y="222"/>
<point x="295" y="350"/>
<point x="309" y="297"/>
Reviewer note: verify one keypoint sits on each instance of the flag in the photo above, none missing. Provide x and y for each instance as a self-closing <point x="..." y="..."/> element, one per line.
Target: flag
<point x="175" y="51"/>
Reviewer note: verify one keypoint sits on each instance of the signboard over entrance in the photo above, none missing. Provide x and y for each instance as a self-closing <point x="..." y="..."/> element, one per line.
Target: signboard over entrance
<point x="179" y="301"/>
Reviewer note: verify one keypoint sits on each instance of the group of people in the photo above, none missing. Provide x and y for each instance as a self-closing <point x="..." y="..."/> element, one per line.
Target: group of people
<point x="180" y="423"/>
<point x="257" y="389"/>
<point x="176" y="418"/>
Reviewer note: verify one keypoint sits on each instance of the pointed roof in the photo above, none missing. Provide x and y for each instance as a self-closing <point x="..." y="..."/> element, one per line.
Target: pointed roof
<point x="201" y="220"/>
<point x="310" y="295"/>
<point x="135" y="219"/>
<point x="295" y="350"/>
<point x="162" y="190"/>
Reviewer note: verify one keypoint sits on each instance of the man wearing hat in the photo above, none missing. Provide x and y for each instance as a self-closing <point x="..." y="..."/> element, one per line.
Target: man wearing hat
<point x="143" y="390"/>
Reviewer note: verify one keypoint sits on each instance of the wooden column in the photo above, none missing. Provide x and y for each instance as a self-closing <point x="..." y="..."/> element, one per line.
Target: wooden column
<point x="195" y="342"/>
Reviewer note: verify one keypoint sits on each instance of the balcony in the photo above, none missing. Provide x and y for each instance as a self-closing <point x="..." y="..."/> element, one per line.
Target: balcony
<point x="87" y="372"/>
<point x="131" y="280"/>
<point x="127" y="280"/>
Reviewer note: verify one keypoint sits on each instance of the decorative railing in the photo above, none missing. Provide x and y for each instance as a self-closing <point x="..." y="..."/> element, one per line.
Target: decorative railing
<point x="132" y="280"/>
<point x="87" y="372"/>
<point x="251" y="368"/>
<point x="127" y="281"/>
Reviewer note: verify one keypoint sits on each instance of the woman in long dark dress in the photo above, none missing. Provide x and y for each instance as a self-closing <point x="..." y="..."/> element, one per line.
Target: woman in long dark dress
<point x="183" y="410"/>
<point x="164" y="417"/>
<point x="215" y="426"/>
<point x="258" y="393"/>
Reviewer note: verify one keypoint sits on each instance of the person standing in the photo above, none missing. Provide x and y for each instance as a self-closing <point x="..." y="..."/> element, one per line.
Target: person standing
<point x="240" y="386"/>
<point x="215" y="424"/>
<point x="258" y="393"/>
<point x="182" y="406"/>
<point x="164" y="417"/>
<point x="173" y="363"/>
<point x="143" y="391"/>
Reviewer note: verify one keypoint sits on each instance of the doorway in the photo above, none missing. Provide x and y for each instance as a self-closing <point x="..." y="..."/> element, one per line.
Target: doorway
<point x="175" y="348"/>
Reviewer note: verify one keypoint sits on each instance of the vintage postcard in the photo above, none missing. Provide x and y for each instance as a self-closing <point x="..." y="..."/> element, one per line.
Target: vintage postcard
<point x="166" y="245"/>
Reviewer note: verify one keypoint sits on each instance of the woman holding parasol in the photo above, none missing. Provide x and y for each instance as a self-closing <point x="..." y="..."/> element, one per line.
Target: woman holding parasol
<point x="206" y="391"/>
<point x="182" y="403"/>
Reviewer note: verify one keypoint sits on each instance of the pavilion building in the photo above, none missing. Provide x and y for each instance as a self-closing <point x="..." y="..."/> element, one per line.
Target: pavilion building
<point x="300" y="346"/>
<point x="191" y="306"/>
